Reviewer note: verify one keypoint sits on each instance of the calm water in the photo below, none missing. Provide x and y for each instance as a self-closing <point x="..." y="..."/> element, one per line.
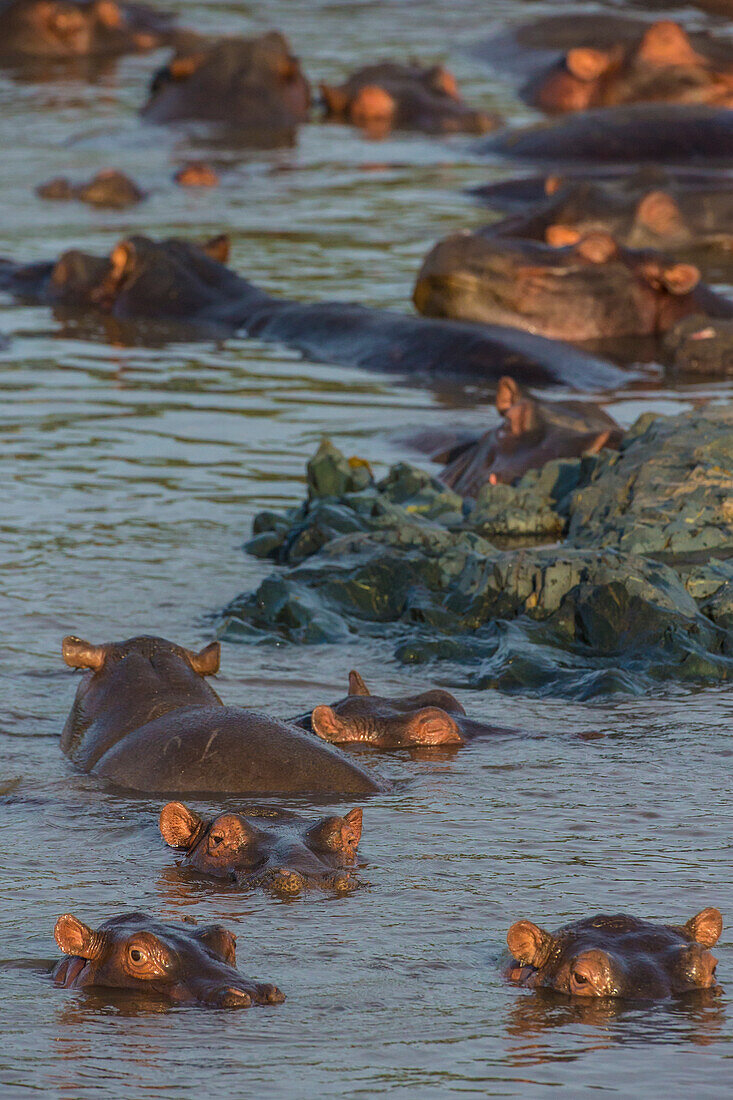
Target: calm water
<point x="129" y="480"/>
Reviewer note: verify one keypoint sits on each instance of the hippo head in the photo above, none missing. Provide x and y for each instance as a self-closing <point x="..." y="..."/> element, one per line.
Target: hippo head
<point x="662" y="65"/>
<point x="67" y="29"/>
<point x="127" y="683"/>
<point x="617" y="956"/>
<point x="641" y="216"/>
<point x="427" y="719"/>
<point x="138" y="953"/>
<point x="168" y="279"/>
<point x="589" y="290"/>
<point x="281" y="857"/>
<point x="390" y="95"/>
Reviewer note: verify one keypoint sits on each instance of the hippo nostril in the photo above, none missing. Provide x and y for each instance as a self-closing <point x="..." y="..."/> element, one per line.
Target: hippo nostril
<point x="235" y="998"/>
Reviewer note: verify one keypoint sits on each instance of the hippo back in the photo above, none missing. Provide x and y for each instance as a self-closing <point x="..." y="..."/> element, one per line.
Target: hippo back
<point x="229" y="750"/>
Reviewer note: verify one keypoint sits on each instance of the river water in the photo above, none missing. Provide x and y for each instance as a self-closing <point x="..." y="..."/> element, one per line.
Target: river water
<point x="130" y="476"/>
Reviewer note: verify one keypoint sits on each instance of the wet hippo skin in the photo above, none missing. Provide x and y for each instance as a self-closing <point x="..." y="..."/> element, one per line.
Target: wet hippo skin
<point x="252" y="87"/>
<point x="145" y="718"/>
<point x="189" y="286"/>
<point x="145" y="956"/>
<point x="532" y="433"/>
<point x="593" y="289"/>
<point x="394" y="96"/>
<point x="59" y="29"/>
<point x="279" y="853"/>
<point x="640" y="134"/>
<point x="617" y="956"/>
<point x="431" y="718"/>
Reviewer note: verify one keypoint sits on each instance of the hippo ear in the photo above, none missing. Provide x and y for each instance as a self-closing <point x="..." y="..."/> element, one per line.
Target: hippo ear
<point x="336" y="100"/>
<point x="432" y="726"/>
<point x="680" y="278"/>
<point x="508" y="392"/>
<point x="326" y="724"/>
<point x="441" y="80"/>
<point x="529" y="944"/>
<point x="80" y="654"/>
<point x="218" y="248"/>
<point x="587" y="64"/>
<point x="178" y="825"/>
<point x="706" y="927"/>
<point x="659" y="212"/>
<point x="181" y="68"/>
<point x="553" y="184"/>
<point x="560" y="236"/>
<point x="665" y="43"/>
<point x="76" y="938"/>
<point x="597" y="248"/>
<point x="206" y="661"/>
<point x="356" y="684"/>
<point x="354" y="820"/>
<point x="219" y="940"/>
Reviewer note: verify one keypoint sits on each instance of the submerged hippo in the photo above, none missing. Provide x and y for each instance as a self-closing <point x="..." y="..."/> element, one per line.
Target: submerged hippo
<point x="701" y="347"/>
<point x="251" y="87"/>
<point x="642" y="134"/>
<point x="145" y="719"/>
<point x="531" y="433"/>
<point x="281" y="854"/>
<point x="661" y="65"/>
<point x="393" y="96"/>
<point x="643" y="209"/>
<point x="190" y="287"/>
<point x="138" y="953"/>
<point x="432" y="718"/>
<point x="617" y="956"/>
<point x="60" y="29"/>
<point x="590" y="290"/>
<point x="108" y="188"/>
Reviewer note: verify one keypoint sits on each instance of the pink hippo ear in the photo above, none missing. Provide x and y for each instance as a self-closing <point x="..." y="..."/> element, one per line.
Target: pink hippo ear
<point x="706" y="926"/>
<point x="529" y="944"/>
<point x="76" y="938"/>
<point x="326" y="723"/>
<point x="665" y="43"/>
<point x="558" y="235"/>
<point x="179" y="826"/>
<point x="206" y="661"/>
<point x="80" y="654"/>
<point x="433" y="726"/>
<point x="356" y="684"/>
<point x="587" y="64"/>
<point x="508" y="392"/>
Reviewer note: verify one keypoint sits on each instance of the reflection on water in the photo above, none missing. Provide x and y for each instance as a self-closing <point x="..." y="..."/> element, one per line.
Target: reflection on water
<point x="131" y="470"/>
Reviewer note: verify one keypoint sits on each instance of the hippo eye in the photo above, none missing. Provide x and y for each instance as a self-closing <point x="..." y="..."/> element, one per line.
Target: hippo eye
<point x="136" y="955"/>
<point x="579" y="978"/>
<point x="215" y="840"/>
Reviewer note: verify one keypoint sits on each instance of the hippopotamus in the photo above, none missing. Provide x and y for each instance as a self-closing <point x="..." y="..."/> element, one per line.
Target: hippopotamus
<point x="643" y="134"/>
<point x="394" y="96"/>
<point x="252" y="88"/>
<point x="284" y="855"/>
<point x="643" y="209"/>
<point x="702" y="348"/>
<point x="136" y="952"/>
<point x="432" y="717"/>
<point x="190" y="288"/>
<point x="531" y="433"/>
<point x="108" y="188"/>
<point x="617" y="956"/>
<point x="660" y="65"/>
<point x="144" y="718"/>
<point x="591" y="290"/>
<point x="61" y="29"/>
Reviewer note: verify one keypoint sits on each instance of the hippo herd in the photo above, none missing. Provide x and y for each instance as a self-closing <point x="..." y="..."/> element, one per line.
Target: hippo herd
<point x="600" y="245"/>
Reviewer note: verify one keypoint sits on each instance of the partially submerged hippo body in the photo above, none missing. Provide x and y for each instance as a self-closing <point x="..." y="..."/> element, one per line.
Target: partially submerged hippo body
<point x="592" y="290"/>
<point x="144" y="718"/>
<point x="617" y="956"/>
<point x="430" y="718"/>
<point x="281" y="854"/>
<point x="252" y="88"/>
<point x="531" y="433"/>
<point x="393" y="96"/>
<point x="701" y="347"/>
<point x="137" y="953"/>
<point x="641" y="134"/>
<point x="180" y="284"/>
<point x="643" y="209"/>
<point x="660" y="65"/>
<point x="68" y="29"/>
<point x="110" y="188"/>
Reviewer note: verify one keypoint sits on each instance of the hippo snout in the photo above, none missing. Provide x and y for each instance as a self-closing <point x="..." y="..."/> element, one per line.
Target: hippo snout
<point x="284" y="881"/>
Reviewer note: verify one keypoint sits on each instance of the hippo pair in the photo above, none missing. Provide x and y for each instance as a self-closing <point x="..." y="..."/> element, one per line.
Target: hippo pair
<point x="177" y="283"/>
<point x="70" y="29"/>
<point x="601" y="956"/>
